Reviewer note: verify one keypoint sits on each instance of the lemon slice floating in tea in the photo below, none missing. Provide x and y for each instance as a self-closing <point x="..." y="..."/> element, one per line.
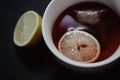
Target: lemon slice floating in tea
<point x="79" y="46"/>
<point x="28" y="29"/>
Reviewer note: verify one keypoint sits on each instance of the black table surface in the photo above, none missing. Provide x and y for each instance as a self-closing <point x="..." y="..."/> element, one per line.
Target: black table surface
<point x="36" y="63"/>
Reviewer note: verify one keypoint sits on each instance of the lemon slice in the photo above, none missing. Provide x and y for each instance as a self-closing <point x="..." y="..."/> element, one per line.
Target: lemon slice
<point x="79" y="46"/>
<point x="28" y="29"/>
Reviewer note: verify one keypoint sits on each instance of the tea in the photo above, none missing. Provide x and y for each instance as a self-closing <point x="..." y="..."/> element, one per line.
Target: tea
<point x="95" y="18"/>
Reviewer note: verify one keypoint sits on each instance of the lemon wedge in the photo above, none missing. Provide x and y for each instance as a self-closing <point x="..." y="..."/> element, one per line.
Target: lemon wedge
<point x="28" y="31"/>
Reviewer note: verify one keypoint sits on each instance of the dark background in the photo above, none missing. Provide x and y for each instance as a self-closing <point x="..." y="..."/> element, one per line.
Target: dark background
<point x="36" y="63"/>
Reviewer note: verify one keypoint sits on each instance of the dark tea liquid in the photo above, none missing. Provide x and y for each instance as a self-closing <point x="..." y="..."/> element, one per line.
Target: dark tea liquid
<point x="106" y="30"/>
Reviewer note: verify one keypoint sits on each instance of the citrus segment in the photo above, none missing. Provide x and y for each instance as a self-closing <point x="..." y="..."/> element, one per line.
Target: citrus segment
<point x="28" y="29"/>
<point x="79" y="46"/>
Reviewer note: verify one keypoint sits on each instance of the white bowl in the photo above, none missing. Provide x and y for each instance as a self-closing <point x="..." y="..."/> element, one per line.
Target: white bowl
<point x="52" y="11"/>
